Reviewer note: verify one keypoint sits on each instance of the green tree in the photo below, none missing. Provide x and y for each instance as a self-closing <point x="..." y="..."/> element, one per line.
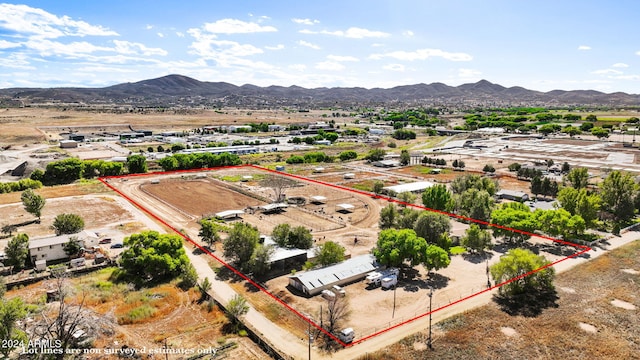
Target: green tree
<point x="488" y="168"/>
<point x="513" y="215"/>
<point x="547" y="129"/>
<point x="378" y="186"/>
<point x="136" y="164"/>
<point x="406" y="218"/>
<point x="300" y="238"/>
<point x="259" y="264"/>
<point x="348" y="155"/>
<point x="580" y="202"/>
<point x="241" y="243"/>
<point x="11" y="311"/>
<point x="33" y="203"/>
<point x="618" y="191"/>
<point x="578" y="178"/>
<point x="395" y="247"/>
<point x="438" y="197"/>
<point x="388" y="217"/>
<point x="571" y="130"/>
<point x="376" y="155"/>
<point x="475" y="204"/>
<point x="209" y="232"/>
<point x="514" y="166"/>
<point x="464" y="183"/>
<point x="435" y="258"/>
<point x="189" y="277"/>
<point x="236" y="308"/>
<point x="204" y="287"/>
<point x="72" y="247"/>
<point x="67" y="224"/>
<point x="329" y="253"/>
<point x="434" y="228"/>
<point x="151" y="256"/>
<point x="587" y="126"/>
<point x="63" y="171"/>
<point x="566" y="167"/>
<point x="280" y="234"/>
<point x="407" y="197"/>
<point x="518" y="262"/>
<point x="536" y="186"/>
<point x="17" y="251"/>
<point x="476" y="239"/>
<point x="600" y="132"/>
<point x="559" y="223"/>
<point x="405" y="157"/>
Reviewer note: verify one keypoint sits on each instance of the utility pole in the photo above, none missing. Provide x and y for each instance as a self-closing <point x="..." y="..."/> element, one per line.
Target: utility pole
<point x="430" y="296"/>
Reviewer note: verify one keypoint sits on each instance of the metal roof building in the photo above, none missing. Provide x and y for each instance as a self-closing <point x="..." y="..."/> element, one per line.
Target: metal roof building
<point x="409" y="187"/>
<point x="313" y="282"/>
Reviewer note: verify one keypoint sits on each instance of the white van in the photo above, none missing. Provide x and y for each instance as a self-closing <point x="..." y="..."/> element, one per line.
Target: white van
<point x="389" y="282"/>
<point x="347" y="335"/>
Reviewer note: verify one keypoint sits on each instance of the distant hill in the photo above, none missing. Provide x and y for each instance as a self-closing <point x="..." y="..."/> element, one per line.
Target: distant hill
<point x="179" y="90"/>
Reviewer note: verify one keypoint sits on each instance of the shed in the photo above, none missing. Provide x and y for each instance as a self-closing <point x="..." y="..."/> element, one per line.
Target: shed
<point x="512" y="195"/>
<point x="349" y="176"/>
<point x="67" y="144"/>
<point x="386" y="163"/>
<point x="229" y="214"/>
<point x="417" y="186"/>
<point x="318" y="199"/>
<point x="345" y="207"/>
<point x="282" y="257"/>
<point x="269" y="208"/>
<point x="313" y="282"/>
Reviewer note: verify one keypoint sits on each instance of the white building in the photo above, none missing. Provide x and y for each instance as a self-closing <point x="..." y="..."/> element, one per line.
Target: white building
<point x="52" y="248"/>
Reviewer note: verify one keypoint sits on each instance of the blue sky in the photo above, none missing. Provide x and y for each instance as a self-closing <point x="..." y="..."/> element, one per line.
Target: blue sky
<point x="541" y="45"/>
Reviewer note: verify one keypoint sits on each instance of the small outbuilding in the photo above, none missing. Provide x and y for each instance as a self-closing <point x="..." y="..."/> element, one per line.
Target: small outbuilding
<point x="229" y="214"/>
<point x="271" y="208"/>
<point x="318" y="199"/>
<point x="68" y="144"/>
<point x="345" y="207"/>
<point x="415" y="187"/>
<point x="512" y="195"/>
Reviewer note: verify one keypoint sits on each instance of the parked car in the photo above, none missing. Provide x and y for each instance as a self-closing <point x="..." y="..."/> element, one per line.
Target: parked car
<point x="347" y="335"/>
<point x="105" y="241"/>
<point x="117" y="246"/>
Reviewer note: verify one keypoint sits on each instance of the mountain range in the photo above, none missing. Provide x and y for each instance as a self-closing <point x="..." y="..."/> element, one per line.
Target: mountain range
<point x="179" y="90"/>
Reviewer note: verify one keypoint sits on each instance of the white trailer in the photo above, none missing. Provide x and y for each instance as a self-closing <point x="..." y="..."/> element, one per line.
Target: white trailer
<point x="389" y="282"/>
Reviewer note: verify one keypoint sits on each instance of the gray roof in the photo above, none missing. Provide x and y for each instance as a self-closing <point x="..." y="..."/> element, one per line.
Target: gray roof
<point x="358" y="265"/>
<point x="57" y="240"/>
<point x="280" y="253"/>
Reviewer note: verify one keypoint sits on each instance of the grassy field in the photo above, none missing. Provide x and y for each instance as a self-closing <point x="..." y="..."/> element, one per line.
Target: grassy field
<point x="581" y="324"/>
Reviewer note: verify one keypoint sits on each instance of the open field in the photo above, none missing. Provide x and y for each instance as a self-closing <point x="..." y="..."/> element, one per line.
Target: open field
<point x="146" y="318"/>
<point x="586" y="322"/>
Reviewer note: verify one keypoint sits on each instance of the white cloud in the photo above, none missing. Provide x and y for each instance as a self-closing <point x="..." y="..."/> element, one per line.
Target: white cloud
<point x="308" y="44"/>
<point x="342" y="58"/>
<point x="180" y="34"/>
<point x="148" y="27"/>
<point x="620" y="65"/>
<point x="73" y="49"/>
<point x="161" y="35"/>
<point x="584" y="47"/>
<point x="129" y="48"/>
<point x="468" y="73"/>
<point x="408" y="33"/>
<point x="352" y="32"/>
<point x="329" y="65"/>
<point x="626" y="77"/>
<point x="637" y="52"/>
<point x="277" y="47"/>
<point x="4" y="44"/>
<point x="105" y="69"/>
<point x="298" y="67"/>
<point x="305" y="21"/>
<point x="394" y="67"/>
<point x="234" y="26"/>
<point x="26" y="20"/>
<point x="423" y="54"/>
<point x="607" y="72"/>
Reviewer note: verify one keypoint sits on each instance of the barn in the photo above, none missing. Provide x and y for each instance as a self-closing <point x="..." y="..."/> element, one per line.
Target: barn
<point x="313" y="282"/>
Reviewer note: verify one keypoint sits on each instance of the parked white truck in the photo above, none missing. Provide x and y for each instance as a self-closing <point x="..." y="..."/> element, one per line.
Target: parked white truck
<point x="374" y="278"/>
<point x="347" y="335"/>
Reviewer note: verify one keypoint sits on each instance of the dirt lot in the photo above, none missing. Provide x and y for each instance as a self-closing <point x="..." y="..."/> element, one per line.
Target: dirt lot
<point x="176" y="318"/>
<point x="371" y="309"/>
<point x="596" y="316"/>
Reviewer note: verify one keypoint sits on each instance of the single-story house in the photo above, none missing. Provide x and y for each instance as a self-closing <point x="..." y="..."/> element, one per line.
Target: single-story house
<point x="512" y="195"/>
<point x="318" y="199"/>
<point x="313" y="282"/>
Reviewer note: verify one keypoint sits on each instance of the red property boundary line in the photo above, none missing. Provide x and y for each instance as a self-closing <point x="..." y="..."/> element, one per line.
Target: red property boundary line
<point x="581" y="249"/>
